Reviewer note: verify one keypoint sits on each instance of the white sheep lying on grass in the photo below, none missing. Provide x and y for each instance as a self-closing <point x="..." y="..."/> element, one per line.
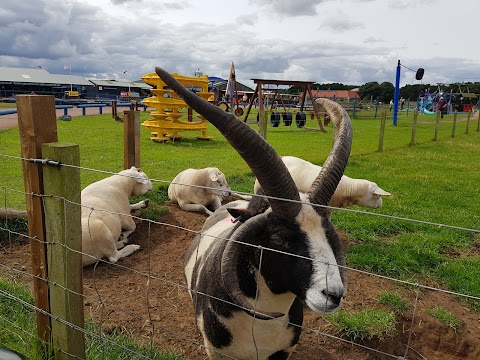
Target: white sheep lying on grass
<point x="349" y="191"/>
<point x="194" y="189"/>
<point x="104" y="230"/>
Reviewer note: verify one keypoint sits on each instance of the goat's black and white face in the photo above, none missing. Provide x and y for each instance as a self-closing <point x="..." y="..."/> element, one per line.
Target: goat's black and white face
<point x="326" y="287"/>
<point x="301" y="260"/>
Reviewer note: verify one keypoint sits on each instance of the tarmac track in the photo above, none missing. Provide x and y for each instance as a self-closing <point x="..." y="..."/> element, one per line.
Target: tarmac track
<point x="11" y="120"/>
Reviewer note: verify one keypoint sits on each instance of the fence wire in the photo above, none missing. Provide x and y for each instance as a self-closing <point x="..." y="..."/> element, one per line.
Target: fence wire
<point x="150" y="281"/>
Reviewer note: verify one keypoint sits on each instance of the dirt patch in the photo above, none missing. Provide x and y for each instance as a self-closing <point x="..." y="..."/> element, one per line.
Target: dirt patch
<point x="147" y="298"/>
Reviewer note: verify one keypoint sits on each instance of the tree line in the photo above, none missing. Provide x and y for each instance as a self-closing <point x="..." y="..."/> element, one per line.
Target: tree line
<point x="385" y="90"/>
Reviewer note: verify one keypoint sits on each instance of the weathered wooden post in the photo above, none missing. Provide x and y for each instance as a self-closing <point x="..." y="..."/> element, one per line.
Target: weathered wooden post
<point x="189" y="114"/>
<point x="37" y="125"/>
<point x="454" y="123"/>
<point x="382" y="130"/>
<point x="437" y="125"/>
<point x="262" y="114"/>
<point x="468" y="121"/>
<point x="64" y="235"/>
<point x="114" y="108"/>
<point x="131" y="139"/>
<point x="414" y="127"/>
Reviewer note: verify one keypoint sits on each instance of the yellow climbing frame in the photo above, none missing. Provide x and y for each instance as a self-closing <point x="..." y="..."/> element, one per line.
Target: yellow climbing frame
<point x="166" y="124"/>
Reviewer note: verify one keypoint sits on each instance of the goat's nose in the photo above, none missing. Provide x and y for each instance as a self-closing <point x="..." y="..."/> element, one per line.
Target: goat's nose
<point x="334" y="294"/>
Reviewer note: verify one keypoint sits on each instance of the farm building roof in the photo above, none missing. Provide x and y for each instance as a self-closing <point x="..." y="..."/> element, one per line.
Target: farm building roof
<point x="125" y="84"/>
<point x="39" y="76"/>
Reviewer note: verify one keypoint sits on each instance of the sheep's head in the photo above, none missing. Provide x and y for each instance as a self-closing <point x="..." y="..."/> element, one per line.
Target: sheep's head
<point x="218" y="182"/>
<point x="372" y="195"/>
<point x="142" y="183"/>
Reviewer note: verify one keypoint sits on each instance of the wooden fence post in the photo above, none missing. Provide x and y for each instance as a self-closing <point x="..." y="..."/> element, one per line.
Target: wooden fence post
<point x="383" y="120"/>
<point x="437" y="125"/>
<point x="262" y="130"/>
<point x="37" y="125"/>
<point x="114" y="108"/>
<point x="64" y="234"/>
<point x="189" y="114"/>
<point x="262" y="113"/>
<point x="468" y="121"/>
<point x="454" y="123"/>
<point x="131" y="139"/>
<point x="414" y="127"/>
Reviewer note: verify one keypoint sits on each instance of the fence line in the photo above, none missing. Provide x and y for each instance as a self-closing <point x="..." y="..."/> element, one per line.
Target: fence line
<point x="197" y="232"/>
<point x="393" y="217"/>
<point x="150" y="277"/>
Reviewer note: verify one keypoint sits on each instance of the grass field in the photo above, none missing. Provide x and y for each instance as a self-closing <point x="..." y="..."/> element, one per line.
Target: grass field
<point x="433" y="183"/>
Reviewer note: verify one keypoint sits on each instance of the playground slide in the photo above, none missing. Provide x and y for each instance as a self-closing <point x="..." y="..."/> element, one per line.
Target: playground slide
<point x="425" y="107"/>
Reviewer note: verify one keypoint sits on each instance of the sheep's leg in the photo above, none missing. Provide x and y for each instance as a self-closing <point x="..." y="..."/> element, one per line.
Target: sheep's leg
<point x="216" y="203"/>
<point x="122" y="242"/>
<point x="140" y="205"/>
<point x="126" y="251"/>
<point x="244" y="197"/>
<point x="128" y="227"/>
<point x="194" y="207"/>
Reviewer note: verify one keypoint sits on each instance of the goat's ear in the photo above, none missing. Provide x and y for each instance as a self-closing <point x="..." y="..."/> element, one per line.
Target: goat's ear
<point x="213" y="176"/>
<point x="241" y="215"/>
<point x="381" y="192"/>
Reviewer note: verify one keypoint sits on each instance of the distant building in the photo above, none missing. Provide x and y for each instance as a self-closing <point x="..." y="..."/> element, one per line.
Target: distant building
<point x="25" y="81"/>
<point x="15" y="81"/>
<point x="218" y="86"/>
<point x="337" y="95"/>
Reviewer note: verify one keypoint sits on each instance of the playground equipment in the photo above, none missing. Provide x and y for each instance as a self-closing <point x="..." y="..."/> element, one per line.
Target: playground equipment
<point x="166" y="124"/>
<point x="300" y="117"/>
<point x="427" y="102"/>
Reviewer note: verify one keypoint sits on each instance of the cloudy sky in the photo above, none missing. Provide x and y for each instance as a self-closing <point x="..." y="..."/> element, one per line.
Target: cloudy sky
<point x="346" y="41"/>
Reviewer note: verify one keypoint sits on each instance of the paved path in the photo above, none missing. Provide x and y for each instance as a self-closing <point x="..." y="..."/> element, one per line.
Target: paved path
<point x="11" y="120"/>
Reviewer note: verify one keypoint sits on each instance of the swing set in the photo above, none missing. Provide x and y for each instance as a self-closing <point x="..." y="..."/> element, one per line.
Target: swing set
<point x="300" y="116"/>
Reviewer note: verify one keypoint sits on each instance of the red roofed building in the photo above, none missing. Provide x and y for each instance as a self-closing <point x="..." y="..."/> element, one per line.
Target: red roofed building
<point x="337" y="95"/>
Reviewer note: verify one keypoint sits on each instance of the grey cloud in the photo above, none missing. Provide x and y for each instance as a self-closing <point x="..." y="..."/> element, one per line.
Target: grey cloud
<point x="372" y="40"/>
<point x="249" y="19"/>
<point x="57" y="32"/>
<point x="289" y="7"/>
<point x="341" y="24"/>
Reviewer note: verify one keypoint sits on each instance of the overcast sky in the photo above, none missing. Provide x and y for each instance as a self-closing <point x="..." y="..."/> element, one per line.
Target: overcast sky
<point x="346" y="41"/>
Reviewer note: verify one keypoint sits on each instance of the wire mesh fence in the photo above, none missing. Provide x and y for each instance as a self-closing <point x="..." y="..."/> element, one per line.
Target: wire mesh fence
<point x="146" y="294"/>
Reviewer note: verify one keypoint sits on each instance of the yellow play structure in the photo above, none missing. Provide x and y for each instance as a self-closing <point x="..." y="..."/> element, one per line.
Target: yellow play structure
<point x="166" y="124"/>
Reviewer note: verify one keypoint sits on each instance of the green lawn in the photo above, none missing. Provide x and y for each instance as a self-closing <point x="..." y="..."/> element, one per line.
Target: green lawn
<point x="433" y="181"/>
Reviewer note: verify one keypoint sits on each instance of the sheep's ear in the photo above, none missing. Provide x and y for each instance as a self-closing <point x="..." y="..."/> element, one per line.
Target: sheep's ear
<point x="381" y="192"/>
<point x="142" y="180"/>
<point x="213" y="177"/>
